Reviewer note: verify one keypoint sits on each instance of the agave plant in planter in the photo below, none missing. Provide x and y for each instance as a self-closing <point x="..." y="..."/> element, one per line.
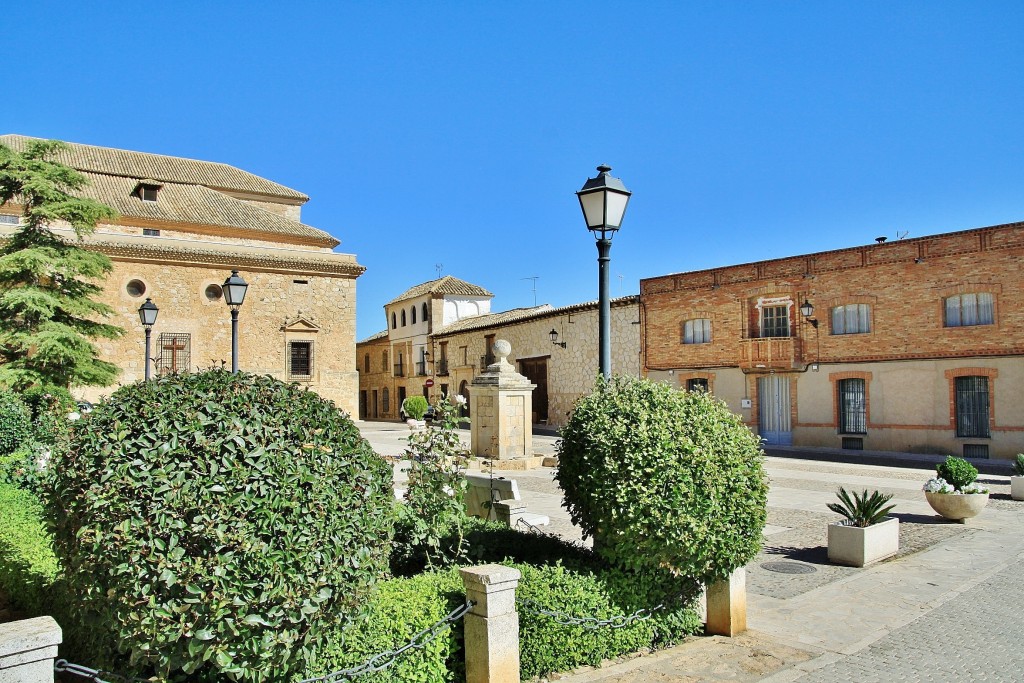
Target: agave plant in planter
<point x="867" y="534"/>
<point x="954" y="493"/>
<point x="1017" y="480"/>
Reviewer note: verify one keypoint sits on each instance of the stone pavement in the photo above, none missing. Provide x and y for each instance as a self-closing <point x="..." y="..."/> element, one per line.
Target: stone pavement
<point x="947" y="608"/>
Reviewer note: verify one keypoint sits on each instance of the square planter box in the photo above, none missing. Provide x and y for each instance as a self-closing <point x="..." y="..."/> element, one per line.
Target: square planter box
<point x="1017" y="488"/>
<point x="858" y="546"/>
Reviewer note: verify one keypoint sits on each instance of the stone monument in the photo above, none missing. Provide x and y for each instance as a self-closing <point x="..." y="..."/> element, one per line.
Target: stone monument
<point x="501" y="403"/>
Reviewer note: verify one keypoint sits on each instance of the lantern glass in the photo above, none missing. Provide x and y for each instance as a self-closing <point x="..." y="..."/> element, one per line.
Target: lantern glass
<point x="806" y="309"/>
<point x="148" y="312"/>
<point x="234" y="289"/>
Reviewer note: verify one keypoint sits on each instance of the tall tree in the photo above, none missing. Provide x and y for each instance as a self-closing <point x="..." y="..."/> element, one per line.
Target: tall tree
<point x="48" y="315"/>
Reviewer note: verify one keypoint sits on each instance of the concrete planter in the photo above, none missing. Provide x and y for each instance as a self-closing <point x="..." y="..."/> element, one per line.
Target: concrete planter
<point x="958" y="507"/>
<point x="859" y="546"/>
<point x="1017" y="488"/>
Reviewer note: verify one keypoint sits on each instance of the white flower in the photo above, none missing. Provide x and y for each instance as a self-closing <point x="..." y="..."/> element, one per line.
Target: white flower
<point x="74" y="416"/>
<point x="938" y="485"/>
<point x="974" y="487"/>
<point x="460" y="399"/>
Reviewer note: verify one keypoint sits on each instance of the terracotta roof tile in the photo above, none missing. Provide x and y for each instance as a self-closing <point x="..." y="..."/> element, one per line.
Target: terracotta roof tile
<point x="444" y="285"/>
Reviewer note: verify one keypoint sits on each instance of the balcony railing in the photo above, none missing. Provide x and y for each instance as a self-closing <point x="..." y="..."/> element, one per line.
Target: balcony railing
<point x="399" y="370"/>
<point x="771" y="353"/>
<point x="442" y="367"/>
<point x="421" y="368"/>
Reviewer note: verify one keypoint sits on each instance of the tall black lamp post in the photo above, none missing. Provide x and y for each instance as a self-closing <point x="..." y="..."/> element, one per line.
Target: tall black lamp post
<point x="603" y="200"/>
<point x="234" y="294"/>
<point x="147" y="314"/>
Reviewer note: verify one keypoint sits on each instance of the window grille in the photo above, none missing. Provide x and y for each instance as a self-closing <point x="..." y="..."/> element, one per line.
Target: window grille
<point x="775" y="321"/>
<point x="697" y="384"/>
<point x="300" y="359"/>
<point x="386" y="399"/>
<point x="972" y="407"/>
<point x="853" y="443"/>
<point x="697" y="331"/>
<point x="963" y="310"/>
<point x="173" y="352"/>
<point x="851" y="319"/>
<point x="853" y="414"/>
<point x="975" y="450"/>
<point x="150" y="232"/>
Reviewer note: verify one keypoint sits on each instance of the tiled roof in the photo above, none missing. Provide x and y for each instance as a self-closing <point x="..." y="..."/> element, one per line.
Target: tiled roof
<point x="139" y="165"/>
<point x="374" y="337"/>
<point x="517" y="315"/>
<point x="444" y="285"/>
<point x="188" y="191"/>
<point x="196" y="205"/>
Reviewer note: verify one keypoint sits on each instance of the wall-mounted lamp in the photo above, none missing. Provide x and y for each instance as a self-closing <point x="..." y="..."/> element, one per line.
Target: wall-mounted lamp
<point x="807" y="310"/>
<point x="554" y="338"/>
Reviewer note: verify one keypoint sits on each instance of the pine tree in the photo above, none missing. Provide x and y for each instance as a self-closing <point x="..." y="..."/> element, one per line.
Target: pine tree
<point x="48" y="315"/>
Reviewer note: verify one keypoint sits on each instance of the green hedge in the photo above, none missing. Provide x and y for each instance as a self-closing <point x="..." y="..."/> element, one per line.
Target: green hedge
<point x="403" y="607"/>
<point x="28" y="567"/>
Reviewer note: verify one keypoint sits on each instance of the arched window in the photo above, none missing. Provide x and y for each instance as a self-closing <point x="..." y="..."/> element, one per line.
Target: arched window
<point x="394" y="322"/>
<point x="426" y="312"/>
<point x="403" y="317"/>
<point x="412" y="311"/>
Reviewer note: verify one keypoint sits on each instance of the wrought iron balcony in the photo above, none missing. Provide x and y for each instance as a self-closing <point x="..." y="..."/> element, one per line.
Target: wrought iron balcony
<point x="442" y="367"/>
<point x="421" y="368"/>
<point x="399" y="370"/>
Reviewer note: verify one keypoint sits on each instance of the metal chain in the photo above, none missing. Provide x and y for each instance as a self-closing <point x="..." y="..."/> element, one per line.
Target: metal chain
<point x="95" y="675"/>
<point x="619" y="621"/>
<point x="385" y="659"/>
<point x="529" y="527"/>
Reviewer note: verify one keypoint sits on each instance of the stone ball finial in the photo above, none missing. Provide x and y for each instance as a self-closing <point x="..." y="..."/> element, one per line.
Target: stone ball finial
<point x="502" y="349"/>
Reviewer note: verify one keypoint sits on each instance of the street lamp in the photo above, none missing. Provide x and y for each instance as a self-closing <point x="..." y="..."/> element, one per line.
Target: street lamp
<point x="147" y="314"/>
<point x="807" y="310"/>
<point x="234" y="294"/>
<point x="603" y="200"/>
<point x="553" y="335"/>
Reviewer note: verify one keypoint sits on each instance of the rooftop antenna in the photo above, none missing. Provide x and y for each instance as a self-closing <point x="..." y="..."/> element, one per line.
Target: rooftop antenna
<point x="440" y="267"/>
<point x="620" y="285"/>
<point x="900" y="235"/>
<point x="534" y="278"/>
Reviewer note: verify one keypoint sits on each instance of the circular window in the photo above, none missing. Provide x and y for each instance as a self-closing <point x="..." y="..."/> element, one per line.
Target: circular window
<point x="136" y="288"/>
<point x="214" y="292"/>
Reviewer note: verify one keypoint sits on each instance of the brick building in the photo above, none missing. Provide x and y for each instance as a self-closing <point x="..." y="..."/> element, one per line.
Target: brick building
<point x="443" y="331"/>
<point x="914" y="345"/>
<point x="183" y="226"/>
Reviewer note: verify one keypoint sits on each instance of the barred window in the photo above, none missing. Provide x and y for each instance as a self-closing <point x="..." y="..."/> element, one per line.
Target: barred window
<point x="386" y="399"/>
<point x="853" y="413"/>
<point x="851" y="319"/>
<point x="173" y="352"/>
<point x="970" y="309"/>
<point x="300" y="360"/>
<point x="697" y="384"/>
<point x="972" y="407"/>
<point x="697" y="331"/>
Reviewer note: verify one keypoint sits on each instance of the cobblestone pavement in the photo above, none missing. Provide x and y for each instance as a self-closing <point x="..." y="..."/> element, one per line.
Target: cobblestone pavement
<point x="975" y="636"/>
<point x="946" y="608"/>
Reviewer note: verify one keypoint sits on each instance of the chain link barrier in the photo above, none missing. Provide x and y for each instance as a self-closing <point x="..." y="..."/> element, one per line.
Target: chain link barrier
<point x="529" y="527"/>
<point x="385" y="659"/>
<point x="378" y="662"/>
<point x="95" y="675"/>
<point x="592" y="623"/>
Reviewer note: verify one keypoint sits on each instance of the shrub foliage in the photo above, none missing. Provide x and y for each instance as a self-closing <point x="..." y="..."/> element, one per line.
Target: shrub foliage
<point x="215" y="524"/>
<point x="15" y="422"/>
<point x="957" y="471"/>
<point x="663" y="478"/>
<point x="415" y="407"/>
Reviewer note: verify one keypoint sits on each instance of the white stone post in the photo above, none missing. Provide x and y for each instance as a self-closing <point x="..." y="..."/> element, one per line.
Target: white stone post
<point x="501" y="403"/>
<point x="492" y="625"/>
<point x="28" y="649"/>
<point x="727" y="605"/>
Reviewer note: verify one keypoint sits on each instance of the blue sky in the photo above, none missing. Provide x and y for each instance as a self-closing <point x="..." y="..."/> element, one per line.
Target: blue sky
<point x="457" y="133"/>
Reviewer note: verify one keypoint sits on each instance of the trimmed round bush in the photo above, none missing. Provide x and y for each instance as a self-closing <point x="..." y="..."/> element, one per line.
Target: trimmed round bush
<point x="663" y="478"/>
<point x="415" y="407"/>
<point x="216" y="526"/>
<point x="957" y="471"/>
<point x="15" y="422"/>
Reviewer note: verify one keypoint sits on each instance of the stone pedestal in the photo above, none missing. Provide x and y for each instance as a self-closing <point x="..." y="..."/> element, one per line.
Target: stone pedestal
<point x="727" y="605"/>
<point x="492" y="625"/>
<point x="501" y="403"/>
<point x="27" y="650"/>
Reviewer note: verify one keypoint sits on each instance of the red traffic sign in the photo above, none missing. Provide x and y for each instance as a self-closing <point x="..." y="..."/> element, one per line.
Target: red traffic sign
<point x="429" y="383"/>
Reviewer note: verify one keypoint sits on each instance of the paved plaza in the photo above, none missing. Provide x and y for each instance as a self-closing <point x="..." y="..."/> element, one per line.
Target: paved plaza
<point x="946" y="608"/>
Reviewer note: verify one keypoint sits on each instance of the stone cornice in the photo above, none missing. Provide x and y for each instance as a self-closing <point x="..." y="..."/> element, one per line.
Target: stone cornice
<point x="133" y="248"/>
